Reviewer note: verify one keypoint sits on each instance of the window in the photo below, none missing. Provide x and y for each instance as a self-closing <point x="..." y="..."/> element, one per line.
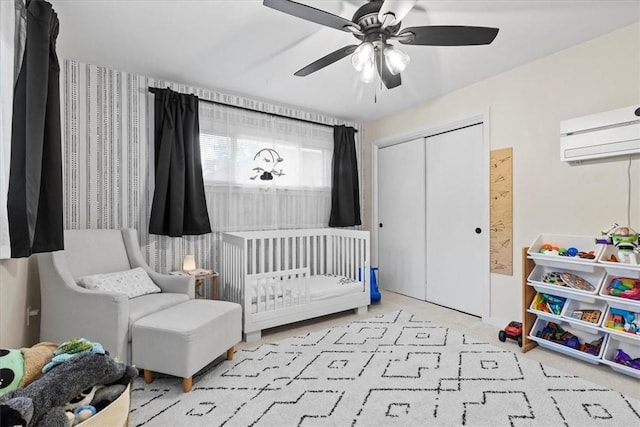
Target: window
<point x="230" y="139"/>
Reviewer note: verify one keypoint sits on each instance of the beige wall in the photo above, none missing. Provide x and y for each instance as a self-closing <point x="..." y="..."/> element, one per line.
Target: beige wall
<point x="526" y="105"/>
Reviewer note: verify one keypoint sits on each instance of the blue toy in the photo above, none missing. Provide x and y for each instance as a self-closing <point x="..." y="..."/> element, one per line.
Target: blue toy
<point x="628" y="316"/>
<point x="373" y="284"/>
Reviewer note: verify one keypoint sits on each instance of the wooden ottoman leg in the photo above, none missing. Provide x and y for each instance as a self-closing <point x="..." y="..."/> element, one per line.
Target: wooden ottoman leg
<point x="230" y="354"/>
<point x="187" y="383"/>
<point x="148" y="376"/>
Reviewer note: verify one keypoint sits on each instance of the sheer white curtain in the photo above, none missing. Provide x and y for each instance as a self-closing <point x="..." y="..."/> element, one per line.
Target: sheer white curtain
<point x="237" y="199"/>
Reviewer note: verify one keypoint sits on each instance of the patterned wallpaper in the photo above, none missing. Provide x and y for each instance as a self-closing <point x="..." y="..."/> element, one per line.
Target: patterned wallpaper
<point x="108" y="157"/>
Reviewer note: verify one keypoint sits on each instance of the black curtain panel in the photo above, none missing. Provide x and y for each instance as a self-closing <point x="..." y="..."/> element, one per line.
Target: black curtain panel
<point x="345" y="194"/>
<point x="34" y="197"/>
<point x="179" y="206"/>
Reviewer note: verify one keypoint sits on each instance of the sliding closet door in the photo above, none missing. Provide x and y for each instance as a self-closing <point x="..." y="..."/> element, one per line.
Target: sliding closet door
<point x="456" y="215"/>
<point x="401" y="192"/>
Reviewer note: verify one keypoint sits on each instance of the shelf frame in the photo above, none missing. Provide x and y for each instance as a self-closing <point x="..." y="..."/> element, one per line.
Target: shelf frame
<point x="528" y="294"/>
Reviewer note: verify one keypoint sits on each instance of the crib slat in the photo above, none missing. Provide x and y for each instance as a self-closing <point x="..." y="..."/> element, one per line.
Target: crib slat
<point x="285" y="261"/>
<point x="307" y="261"/>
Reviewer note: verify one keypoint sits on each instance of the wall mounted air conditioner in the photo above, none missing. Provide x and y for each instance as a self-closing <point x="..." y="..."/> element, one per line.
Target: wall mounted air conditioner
<point x="608" y="134"/>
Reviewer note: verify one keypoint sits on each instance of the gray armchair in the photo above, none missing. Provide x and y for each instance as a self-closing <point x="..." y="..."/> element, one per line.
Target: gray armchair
<point x="69" y="310"/>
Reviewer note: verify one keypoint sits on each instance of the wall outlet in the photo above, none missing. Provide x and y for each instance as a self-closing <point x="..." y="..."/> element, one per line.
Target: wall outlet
<point x="32" y="312"/>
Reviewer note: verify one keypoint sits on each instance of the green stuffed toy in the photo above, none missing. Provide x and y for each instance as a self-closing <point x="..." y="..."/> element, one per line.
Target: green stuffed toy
<point x="11" y="370"/>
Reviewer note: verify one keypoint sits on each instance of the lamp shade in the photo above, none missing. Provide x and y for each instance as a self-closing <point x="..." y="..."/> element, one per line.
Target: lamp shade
<point x="363" y="56"/>
<point x="397" y="60"/>
<point x="189" y="263"/>
<point x="368" y="72"/>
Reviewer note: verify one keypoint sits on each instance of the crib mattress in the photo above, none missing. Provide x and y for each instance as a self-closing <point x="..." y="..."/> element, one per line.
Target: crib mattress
<point x="321" y="287"/>
<point x="327" y="286"/>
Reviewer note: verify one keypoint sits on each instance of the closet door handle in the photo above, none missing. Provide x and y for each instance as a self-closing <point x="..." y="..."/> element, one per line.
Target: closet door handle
<point x="478" y="230"/>
<point x="380" y="225"/>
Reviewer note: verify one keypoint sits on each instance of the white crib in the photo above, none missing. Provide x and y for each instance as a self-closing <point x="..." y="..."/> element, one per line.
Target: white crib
<point x="284" y="276"/>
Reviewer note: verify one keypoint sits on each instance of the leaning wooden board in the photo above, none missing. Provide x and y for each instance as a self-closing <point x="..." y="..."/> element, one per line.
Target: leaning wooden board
<point x="501" y="212"/>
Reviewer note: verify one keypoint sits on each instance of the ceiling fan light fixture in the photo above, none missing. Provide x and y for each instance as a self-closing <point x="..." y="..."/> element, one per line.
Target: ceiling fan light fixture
<point x="396" y="59"/>
<point x="373" y="24"/>
<point x="368" y="72"/>
<point x="362" y="56"/>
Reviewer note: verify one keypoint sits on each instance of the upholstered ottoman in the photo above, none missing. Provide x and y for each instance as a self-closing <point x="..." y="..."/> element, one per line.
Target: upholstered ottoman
<point x="185" y="338"/>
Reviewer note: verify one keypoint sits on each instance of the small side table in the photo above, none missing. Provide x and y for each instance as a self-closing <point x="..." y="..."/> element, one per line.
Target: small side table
<point x="200" y="276"/>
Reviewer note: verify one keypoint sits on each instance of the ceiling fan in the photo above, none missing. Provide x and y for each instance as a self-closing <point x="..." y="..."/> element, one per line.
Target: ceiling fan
<point x="375" y="24"/>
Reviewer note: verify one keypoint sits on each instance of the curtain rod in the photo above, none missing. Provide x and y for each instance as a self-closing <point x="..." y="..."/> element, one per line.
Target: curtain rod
<point x="154" y="89"/>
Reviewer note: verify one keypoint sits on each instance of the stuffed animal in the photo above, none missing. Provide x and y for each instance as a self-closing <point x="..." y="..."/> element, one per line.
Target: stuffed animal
<point x="42" y="402"/>
<point x="11" y="369"/>
<point x="107" y="394"/>
<point x="72" y="348"/>
<point x="80" y="414"/>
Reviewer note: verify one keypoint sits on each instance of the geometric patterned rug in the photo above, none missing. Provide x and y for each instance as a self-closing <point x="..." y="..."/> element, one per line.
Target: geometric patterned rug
<point x="389" y="370"/>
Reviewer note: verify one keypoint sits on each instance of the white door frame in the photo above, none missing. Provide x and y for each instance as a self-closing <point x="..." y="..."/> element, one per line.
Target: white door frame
<point x="430" y="130"/>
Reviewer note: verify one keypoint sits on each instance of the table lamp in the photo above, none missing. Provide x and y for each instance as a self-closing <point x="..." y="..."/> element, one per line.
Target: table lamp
<point x="189" y="263"/>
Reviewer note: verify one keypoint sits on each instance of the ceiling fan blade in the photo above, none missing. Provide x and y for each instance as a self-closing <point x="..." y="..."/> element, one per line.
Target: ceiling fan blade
<point x="326" y="60"/>
<point x="397" y="9"/>
<point x="447" y="35"/>
<point x="311" y="14"/>
<point x="389" y="80"/>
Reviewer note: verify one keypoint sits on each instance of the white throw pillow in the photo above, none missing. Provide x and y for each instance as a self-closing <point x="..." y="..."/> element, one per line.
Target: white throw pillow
<point x="133" y="283"/>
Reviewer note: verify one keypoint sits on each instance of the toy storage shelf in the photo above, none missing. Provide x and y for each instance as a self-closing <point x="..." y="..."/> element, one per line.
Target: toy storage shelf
<point x="599" y="273"/>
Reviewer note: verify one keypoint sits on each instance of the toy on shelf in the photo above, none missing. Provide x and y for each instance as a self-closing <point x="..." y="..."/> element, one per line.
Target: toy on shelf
<point x="548" y="303"/>
<point x="624" y="287"/>
<point x="626" y="241"/>
<point x="554" y="333"/>
<point x="623" y="321"/>
<point x="576" y="282"/>
<point x="568" y="279"/>
<point x="553" y="278"/>
<point x="550" y="249"/>
<point x="512" y="331"/>
<point x="605" y="235"/>
<point x="626" y="360"/>
<point x="591" y="316"/>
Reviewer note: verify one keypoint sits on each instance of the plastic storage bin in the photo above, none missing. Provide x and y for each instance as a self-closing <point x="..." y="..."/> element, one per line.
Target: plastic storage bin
<point x="616" y="301"/>
<point x="596" y="277"/>
<point x="584" y="314"/>
<point x="618" y="268"/>
<point x="581" y="243"/>
<point x="547" y="306"/>
<point x="582" y="335"/>
<point x="631" y="349"/>
<point x="609" y="326"/>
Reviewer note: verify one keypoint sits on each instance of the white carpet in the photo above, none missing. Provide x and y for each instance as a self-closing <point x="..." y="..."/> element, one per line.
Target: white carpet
<point x="393" y="369"/>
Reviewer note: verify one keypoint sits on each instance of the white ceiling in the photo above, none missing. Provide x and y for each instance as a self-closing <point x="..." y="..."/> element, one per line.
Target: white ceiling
<point x="243" y="47"/>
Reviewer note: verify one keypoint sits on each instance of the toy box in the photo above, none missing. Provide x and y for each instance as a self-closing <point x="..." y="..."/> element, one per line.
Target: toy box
<point x="614" y="322"/>
<point x="585" y="314"/>
<point x="582" y="251"/>
<point x="547" y="305"/>
<point x="618" y="301"/>
<point x="547" y="279"/>
<point x="582" y="335"/>
<point x="631" y="350"/>
<point x="617" y="268"/>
